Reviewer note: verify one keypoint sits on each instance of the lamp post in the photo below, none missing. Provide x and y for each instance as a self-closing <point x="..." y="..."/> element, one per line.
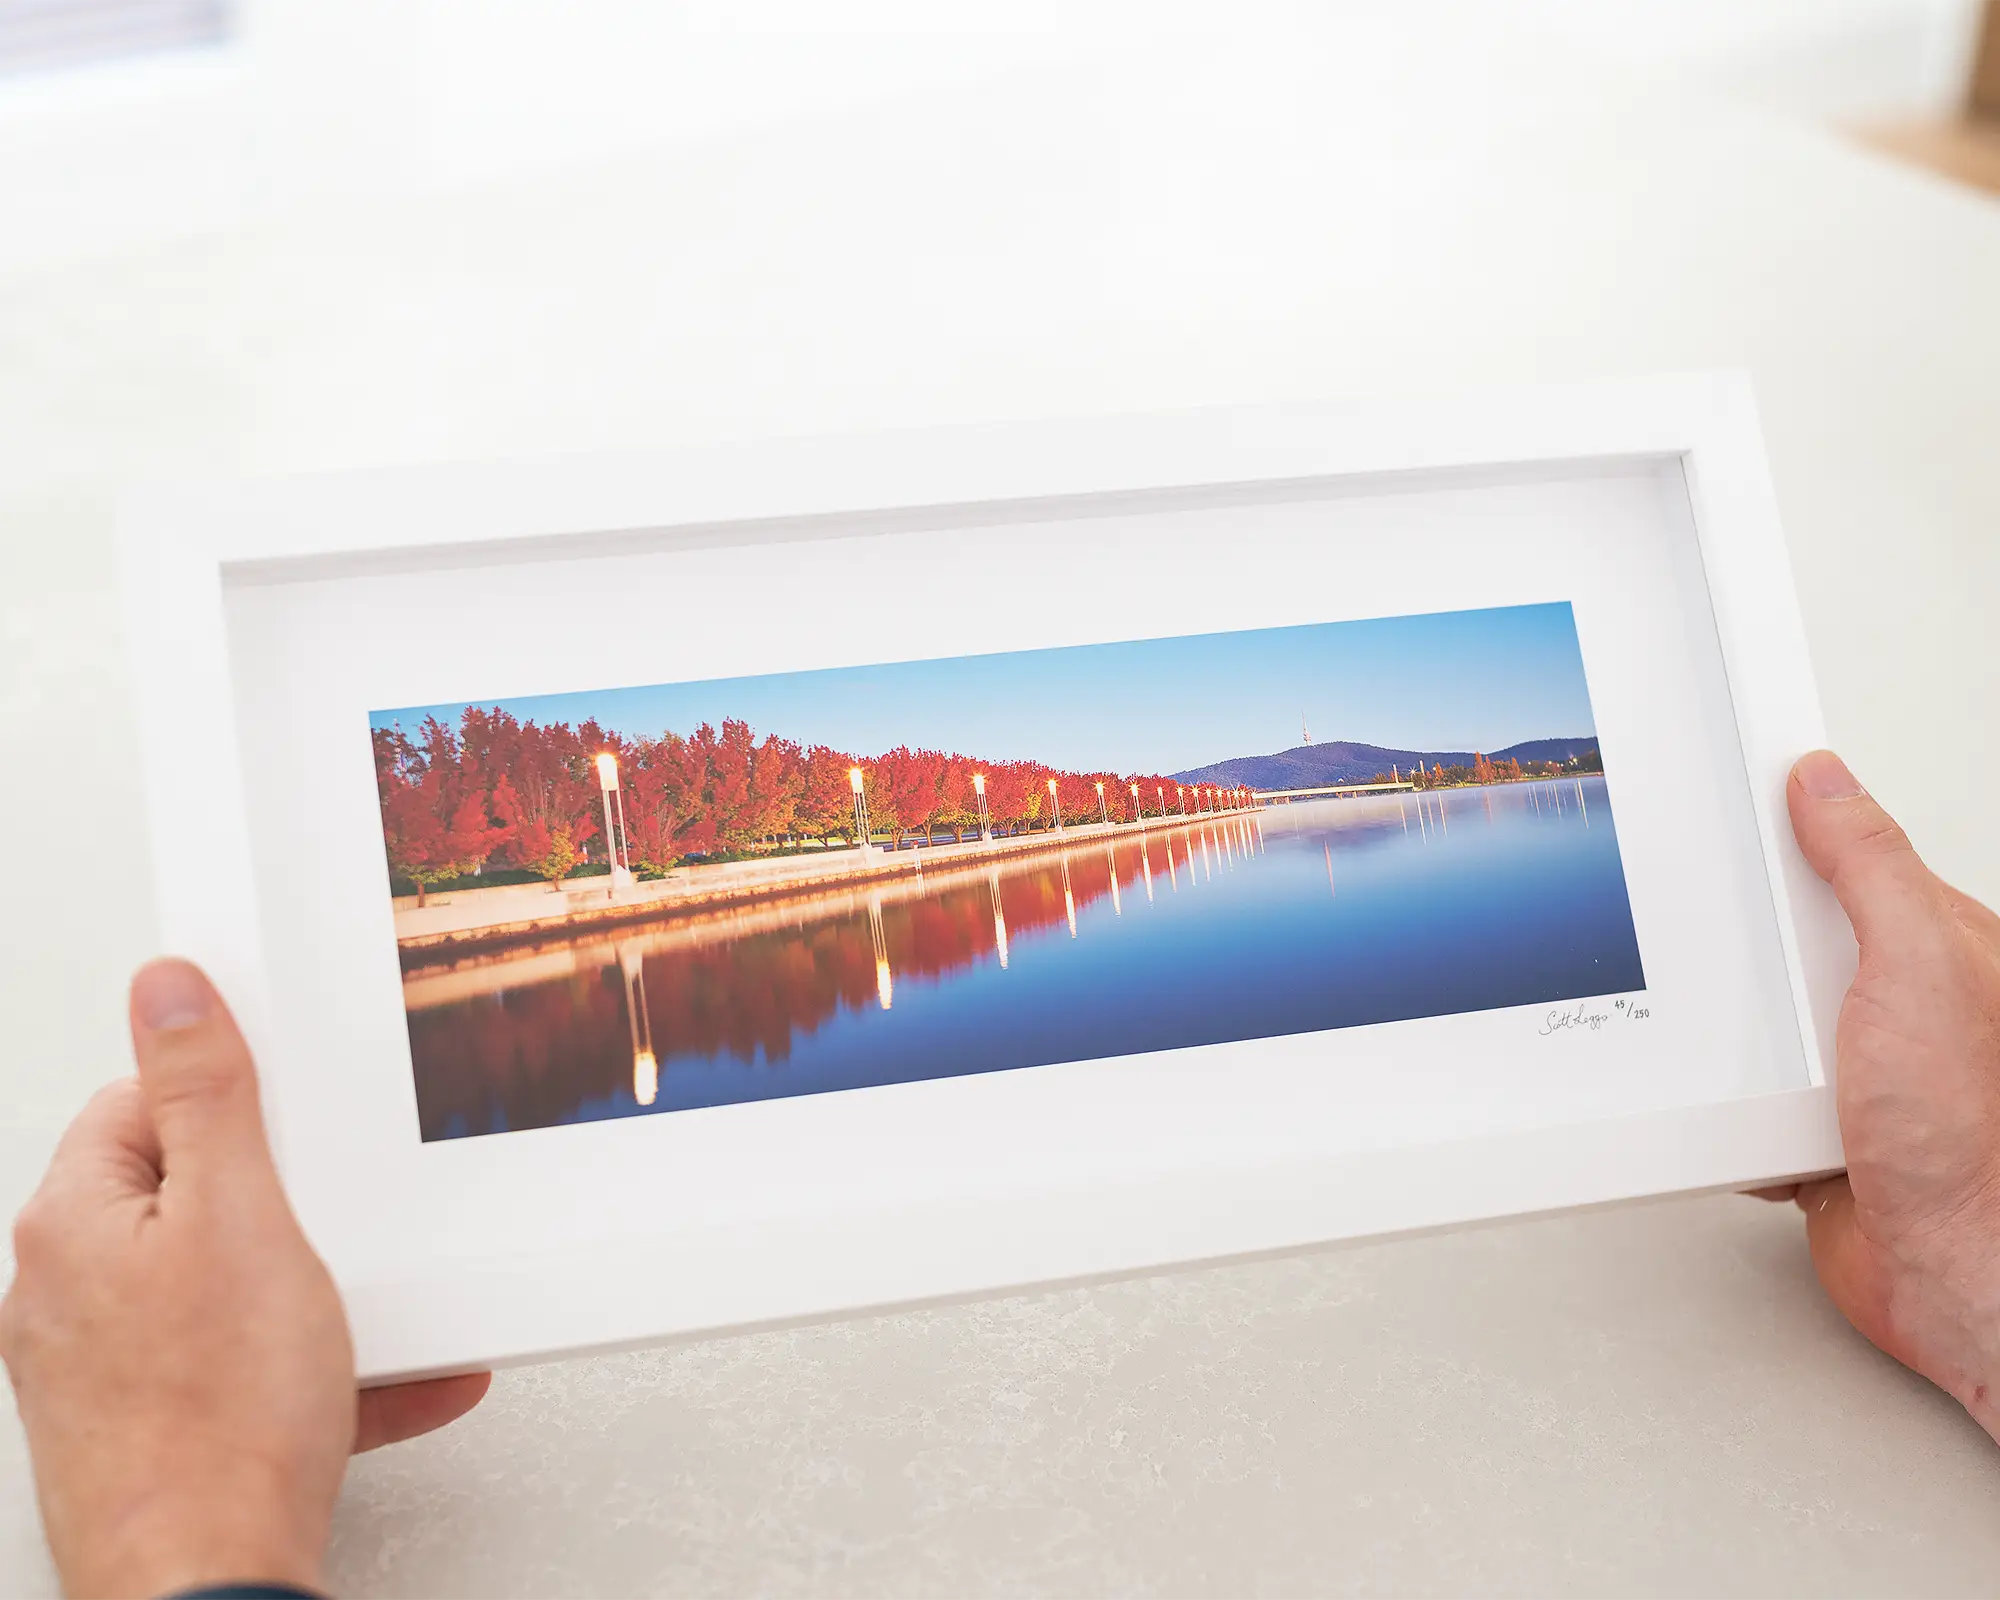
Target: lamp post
<point x="1180" y="800"/>
<point x="1103" y="810"/>
<point x="607" y="783"/>
<point x="1160" y="799"/>
<point x="860" y="810"/>
<point x="985" y="823"/>
<point x="1135" y="802"/>
<point x="1055" y="800"/>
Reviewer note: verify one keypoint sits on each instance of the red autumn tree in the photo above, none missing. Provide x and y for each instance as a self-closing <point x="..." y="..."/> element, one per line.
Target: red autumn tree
<point x="726" y="793"/>
<point x="777" y="784"/>
<point x="549" y="852"/>
<point x="542" y="838"/>
<point x="662" y="799"/>
<point x="957" y="805"/>
<point x="435" y="821"/>
<point x="826" y="795"/>
<point x="414" y="838"/>
<point x="903" y="789"/>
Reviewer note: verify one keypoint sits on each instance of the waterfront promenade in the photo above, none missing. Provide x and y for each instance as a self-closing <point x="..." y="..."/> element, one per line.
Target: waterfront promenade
<point x="463" y="922"/>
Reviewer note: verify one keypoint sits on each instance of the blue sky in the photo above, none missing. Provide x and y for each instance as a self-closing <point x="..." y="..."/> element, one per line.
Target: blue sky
<point x="1455" y="680"/>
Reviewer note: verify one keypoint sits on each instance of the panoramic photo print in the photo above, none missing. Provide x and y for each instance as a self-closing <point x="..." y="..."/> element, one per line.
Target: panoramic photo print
<point x="640" y="900"/>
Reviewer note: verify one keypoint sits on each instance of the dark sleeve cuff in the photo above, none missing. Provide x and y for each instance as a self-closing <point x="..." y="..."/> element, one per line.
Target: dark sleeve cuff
<point x="245" y="1591"/>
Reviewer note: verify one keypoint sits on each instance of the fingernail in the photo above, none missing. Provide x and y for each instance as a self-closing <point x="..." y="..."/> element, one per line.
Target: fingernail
<point x="171" y="994"/>
<point x="1824" y="776"/>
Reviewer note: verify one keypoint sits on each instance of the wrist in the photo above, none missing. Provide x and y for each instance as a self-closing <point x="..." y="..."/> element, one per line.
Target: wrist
<point x="246" y="1591"/>
<point x="170" y="1546"/>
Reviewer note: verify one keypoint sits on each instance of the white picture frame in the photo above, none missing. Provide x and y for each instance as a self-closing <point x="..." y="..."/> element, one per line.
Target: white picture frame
<point x="437" y="1278"/>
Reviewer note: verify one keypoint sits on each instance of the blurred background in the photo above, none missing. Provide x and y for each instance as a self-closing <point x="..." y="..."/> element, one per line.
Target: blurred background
<point x="255" y="236"/>
<point x="122" y="120"/>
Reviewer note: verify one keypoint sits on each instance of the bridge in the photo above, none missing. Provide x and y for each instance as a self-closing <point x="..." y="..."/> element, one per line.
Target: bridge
<point x="1330" y="788"/>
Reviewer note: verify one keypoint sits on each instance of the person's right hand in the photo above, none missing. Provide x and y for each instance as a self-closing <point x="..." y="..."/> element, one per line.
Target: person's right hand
<point x="1907" y="1243"/>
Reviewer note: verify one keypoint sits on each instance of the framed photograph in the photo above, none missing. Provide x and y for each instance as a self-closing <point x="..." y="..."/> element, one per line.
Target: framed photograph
<point x="729" y="887"/>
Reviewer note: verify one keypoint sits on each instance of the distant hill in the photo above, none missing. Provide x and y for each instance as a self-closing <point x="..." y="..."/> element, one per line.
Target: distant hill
<point x="1308" y="766"/>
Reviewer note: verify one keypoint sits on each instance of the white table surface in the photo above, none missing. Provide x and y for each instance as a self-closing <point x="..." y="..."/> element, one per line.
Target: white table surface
<point x="1651" y="1400"/>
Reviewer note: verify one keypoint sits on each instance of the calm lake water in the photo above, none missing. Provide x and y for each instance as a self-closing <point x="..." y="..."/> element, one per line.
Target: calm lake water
<point x="1327" y="914"/>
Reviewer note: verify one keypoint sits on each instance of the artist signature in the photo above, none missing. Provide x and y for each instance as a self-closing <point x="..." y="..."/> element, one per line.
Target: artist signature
<point x="1585" y="1016"/>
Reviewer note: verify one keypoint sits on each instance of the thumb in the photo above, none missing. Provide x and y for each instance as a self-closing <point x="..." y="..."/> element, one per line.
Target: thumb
<point x="1855" y="1275"/>
<point x="1887" y="892"/>
<point x="199" y="1081"/>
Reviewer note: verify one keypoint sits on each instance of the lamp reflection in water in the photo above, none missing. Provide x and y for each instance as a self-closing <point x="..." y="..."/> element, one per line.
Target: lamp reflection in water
<point x="1069" y="896"/>
<point x="999" y="915"/>
<point x="1111" y="866"/>
<point x="885" y="987"/>
<point x="645" y="1065"/>
<point x="1173" y="872"/>
<point x="1146" y="866"/>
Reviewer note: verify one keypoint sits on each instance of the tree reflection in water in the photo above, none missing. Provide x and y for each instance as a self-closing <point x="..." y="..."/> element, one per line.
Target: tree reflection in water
<point x="1319" y="916"/>
<point x="537" y="1053"/>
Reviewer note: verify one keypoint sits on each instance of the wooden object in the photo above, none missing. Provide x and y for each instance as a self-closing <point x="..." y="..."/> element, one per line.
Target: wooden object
<point x="1983" y="97"/>
<point x="1966" y="148"/>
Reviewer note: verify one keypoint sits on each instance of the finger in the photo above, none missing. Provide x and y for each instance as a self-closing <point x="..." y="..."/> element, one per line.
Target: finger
<point x="111" y="1146"/>
<point x="404" y="1410"/>
<point x="199" y="1081"/>
<point x="1887" y="892"/>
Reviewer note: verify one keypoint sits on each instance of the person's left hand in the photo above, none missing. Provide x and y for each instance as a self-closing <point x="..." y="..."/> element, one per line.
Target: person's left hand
<point x="179" y="1354"/>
